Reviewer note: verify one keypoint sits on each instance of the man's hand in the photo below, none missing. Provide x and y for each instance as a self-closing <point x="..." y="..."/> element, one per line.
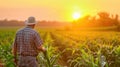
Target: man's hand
<point x="44" y="51"/>
<point x="41" y="48"/>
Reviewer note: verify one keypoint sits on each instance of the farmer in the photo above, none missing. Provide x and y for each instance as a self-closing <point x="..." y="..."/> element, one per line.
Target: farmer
<point x="27" y="45"/>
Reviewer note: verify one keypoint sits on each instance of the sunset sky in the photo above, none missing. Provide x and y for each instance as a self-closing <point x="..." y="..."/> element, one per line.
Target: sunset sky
<point x="59" y="10"/>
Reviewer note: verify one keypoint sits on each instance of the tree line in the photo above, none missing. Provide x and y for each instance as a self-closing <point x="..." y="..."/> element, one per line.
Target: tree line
<point x="100" y="20"/>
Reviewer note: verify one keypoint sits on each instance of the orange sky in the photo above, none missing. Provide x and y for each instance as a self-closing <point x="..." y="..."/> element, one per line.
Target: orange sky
<point x="60" y="10"/>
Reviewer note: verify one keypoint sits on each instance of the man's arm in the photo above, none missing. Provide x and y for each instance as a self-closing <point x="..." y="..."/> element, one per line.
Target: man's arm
<point x="39" y="42"/>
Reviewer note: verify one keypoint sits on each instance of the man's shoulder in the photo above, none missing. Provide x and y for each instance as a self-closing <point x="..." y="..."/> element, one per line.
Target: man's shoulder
<point x="19" y="30"/>
<point x="34" y="31"/>
<point x="27" y="30"/>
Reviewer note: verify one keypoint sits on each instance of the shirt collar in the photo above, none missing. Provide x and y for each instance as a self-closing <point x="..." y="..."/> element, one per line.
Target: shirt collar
<point x="28" y="27"/>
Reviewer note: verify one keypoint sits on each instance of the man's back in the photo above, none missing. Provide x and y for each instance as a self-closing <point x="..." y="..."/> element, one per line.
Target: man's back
<point x="27" y="41"/>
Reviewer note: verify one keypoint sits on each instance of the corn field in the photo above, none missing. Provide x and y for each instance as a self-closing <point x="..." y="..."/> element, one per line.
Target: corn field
<point x="69" y="48"/>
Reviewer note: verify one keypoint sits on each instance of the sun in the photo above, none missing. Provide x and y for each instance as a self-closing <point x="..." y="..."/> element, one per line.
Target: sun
<point x="76" y="15"/>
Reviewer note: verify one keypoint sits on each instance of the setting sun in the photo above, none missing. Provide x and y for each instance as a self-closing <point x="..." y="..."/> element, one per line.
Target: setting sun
<point x="76" y="15"/>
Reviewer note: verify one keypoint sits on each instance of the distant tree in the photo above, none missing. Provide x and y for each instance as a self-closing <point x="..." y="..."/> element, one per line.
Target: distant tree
<point x="81" y="21"/>
<point x="103" y="15"/>
<point x="85" y="19"/>
<point x="116" y="21"/>
<point x="104" y="19"/>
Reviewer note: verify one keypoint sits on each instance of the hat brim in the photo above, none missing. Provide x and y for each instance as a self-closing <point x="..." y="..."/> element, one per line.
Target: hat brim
<point x="27" y="23"/>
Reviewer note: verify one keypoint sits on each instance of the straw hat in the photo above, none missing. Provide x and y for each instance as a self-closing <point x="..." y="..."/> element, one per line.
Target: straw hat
<point x="30" y="21"/>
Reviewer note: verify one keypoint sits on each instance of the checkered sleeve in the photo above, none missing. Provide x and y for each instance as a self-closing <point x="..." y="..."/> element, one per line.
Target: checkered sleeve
<point x="37" y="40"/>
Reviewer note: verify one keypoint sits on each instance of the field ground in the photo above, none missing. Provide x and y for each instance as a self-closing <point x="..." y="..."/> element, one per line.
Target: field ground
<point x="76" y="48"/>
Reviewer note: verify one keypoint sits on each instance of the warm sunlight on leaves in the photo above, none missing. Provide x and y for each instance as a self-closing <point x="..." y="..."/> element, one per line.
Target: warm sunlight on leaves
<point x="76" y="15"/>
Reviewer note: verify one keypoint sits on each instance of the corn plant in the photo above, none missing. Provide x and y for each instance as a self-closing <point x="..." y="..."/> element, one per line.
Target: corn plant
<point x="117" y="58"/>
<point x="6" y="56"/>
<point x="86" y="58"/>
<point x="51" y="57"/>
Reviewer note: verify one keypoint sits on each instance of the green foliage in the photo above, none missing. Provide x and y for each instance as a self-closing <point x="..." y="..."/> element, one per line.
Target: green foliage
<point x="117" y="51"/>
<point x="70" y="48"/>
<point x="6" y="55"/>
<point x="85" y="58"/>
<point x="52" y="55"/>
<point x="117" y="58"/>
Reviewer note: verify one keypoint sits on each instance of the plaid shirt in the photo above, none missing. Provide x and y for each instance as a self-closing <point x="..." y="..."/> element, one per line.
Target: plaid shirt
<point x="26" y="42"/>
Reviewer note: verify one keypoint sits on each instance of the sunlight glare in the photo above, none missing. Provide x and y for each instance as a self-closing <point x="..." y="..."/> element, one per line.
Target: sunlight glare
<point x="76" y="15"/>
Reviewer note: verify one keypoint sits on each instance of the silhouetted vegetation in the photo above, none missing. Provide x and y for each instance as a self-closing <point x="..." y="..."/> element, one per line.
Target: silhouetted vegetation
<point x="101" y="20"/>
